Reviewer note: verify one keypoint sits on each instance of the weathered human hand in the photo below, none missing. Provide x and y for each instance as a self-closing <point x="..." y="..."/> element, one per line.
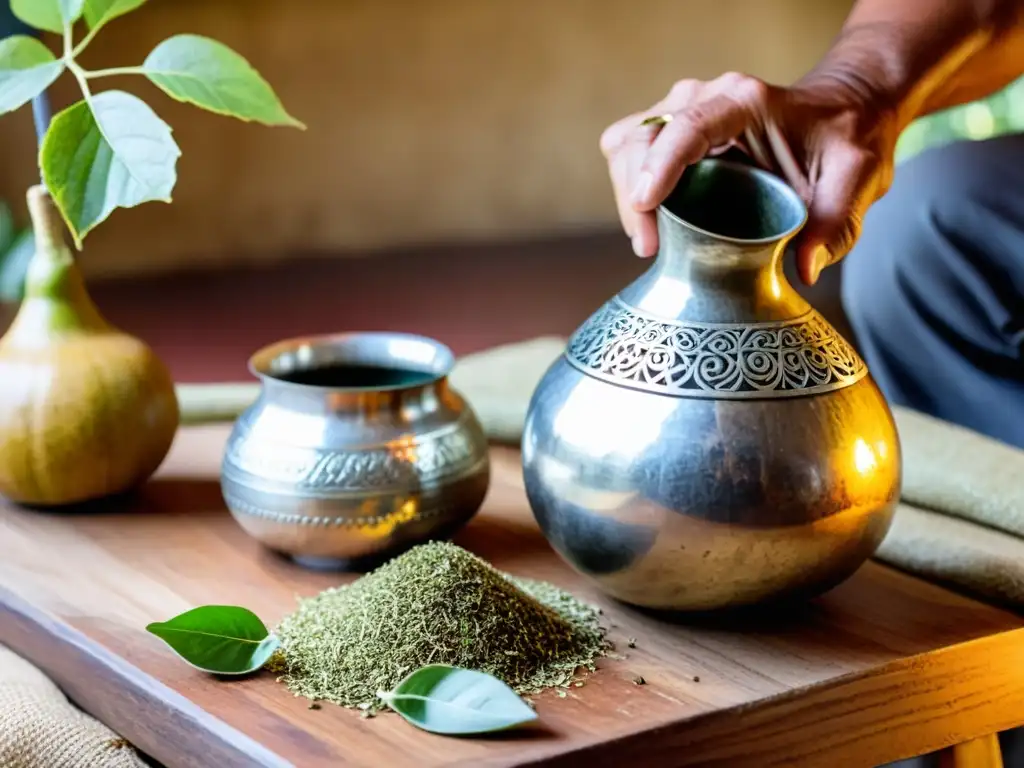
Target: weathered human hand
<point x="823" y="136"/>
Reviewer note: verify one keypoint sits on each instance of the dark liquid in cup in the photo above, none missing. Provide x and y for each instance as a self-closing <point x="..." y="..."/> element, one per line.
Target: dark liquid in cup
<point x="345" y="376"/>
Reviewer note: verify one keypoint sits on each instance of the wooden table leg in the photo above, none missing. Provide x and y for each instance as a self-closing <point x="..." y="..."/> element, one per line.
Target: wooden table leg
<point x="983" y="752"/>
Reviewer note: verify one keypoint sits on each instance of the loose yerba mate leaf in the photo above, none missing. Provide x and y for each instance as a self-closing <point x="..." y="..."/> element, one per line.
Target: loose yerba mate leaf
<point x="221" y="639"/>
<point x="457" y="702"/>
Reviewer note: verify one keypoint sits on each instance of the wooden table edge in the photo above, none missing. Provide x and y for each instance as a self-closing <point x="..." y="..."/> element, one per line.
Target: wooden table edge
<point x="962" y="692"/>
<point x="772" y="731"/>
<point x="61" y="652"/>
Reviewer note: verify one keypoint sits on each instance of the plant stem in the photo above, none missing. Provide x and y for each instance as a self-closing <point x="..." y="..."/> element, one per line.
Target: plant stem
<point x="68" y="42"/>
<point x="113" y="71"/>
<point x="86" y="40"/>
<point x="41" y="115"/>
<point x="72" y="65"/>
<point x="80" y="76"/>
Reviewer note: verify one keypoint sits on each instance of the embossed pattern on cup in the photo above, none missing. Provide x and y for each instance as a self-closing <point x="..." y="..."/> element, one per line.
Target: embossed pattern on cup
<point x="346" y="476"/>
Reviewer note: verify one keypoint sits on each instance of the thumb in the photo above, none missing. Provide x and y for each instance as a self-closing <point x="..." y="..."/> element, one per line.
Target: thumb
<point x="842" y="194"/>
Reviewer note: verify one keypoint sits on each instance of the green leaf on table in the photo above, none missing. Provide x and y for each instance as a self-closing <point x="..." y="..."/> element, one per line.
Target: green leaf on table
<point x="26" y="69"/>
<point x="99" y="12"/>
<point x="455" y="701"/>
<point x="109" y="152"/>
<point x="50" y="15"/>
<point x="222" y="639"/>
<point x="208" y="74"/>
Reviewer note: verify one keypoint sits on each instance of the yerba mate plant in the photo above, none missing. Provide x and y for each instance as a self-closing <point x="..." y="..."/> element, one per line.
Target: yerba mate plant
<point x="110" y="149"/>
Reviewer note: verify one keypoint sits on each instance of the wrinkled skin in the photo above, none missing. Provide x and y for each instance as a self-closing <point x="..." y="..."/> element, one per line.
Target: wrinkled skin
<point x="825" y="138"/>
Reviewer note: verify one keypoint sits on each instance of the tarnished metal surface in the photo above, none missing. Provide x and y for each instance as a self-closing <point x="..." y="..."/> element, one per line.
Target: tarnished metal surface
<point x="337" y="476"/>
<point x="708" y="440"/>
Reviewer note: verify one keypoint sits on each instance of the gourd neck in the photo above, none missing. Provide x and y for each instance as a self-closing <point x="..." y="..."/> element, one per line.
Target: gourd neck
<point x="56" y="302"/>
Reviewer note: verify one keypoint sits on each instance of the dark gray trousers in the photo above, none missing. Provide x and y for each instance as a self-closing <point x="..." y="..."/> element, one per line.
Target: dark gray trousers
<point x="934" y="291"/>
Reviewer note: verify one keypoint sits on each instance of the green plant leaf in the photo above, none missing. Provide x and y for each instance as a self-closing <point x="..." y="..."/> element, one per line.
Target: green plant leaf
<point x="99" y="12"/>
<point x="14" y="266"/>
<point x="26" y="69"/>
<point x="109" y="152"/>
<point x="221" y="639"/>
<point x="8" y="229"/>
<point x="455" y="701"/>
<point x="71" y="10"/>
<point x="16" y="249"/>
<point x="50" y="15"/>
<point x="208" y="74"/>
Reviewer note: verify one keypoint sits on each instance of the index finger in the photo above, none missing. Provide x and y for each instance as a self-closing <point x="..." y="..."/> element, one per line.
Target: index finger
<point x="689" y="136"/>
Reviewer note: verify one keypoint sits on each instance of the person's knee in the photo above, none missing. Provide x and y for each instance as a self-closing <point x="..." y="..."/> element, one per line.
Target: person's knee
<point x="943" y="240"/>
<point x="934" y="197"/>
<point x="893" y="240"/>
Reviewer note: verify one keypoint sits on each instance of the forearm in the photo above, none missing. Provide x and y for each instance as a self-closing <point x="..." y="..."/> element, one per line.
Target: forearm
<point x="913" y="57"/>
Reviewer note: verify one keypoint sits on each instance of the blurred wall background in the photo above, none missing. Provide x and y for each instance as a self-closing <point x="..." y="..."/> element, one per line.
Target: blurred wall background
<point x="429" y="121"/>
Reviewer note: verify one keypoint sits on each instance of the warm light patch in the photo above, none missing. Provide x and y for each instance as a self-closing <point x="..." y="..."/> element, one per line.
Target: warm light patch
<point x="863" y="457"/>
<point x="404" y="448"/>
<point x="386" y="525"/>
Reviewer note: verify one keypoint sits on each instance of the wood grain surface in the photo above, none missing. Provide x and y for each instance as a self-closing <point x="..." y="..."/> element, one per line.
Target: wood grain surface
<point x="883" y="667"/>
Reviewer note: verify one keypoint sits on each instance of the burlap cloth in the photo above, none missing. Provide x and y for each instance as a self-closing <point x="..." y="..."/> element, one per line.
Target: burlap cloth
<point x="39" y="728"/>
<point x="960" y="523"/>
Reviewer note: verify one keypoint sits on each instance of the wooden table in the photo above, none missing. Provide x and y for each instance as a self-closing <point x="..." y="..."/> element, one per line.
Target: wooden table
<point x="883" y="667"/>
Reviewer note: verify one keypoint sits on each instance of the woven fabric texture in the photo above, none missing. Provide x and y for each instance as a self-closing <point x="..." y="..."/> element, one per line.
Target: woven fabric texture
<point x="40" y="728"/>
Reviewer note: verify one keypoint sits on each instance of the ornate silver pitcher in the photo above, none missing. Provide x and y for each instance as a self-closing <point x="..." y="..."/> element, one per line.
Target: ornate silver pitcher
<point x="708" y="440"/>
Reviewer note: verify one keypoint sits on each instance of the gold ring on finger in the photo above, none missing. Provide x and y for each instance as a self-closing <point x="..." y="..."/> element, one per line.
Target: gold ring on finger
<point x="657" y="120"/>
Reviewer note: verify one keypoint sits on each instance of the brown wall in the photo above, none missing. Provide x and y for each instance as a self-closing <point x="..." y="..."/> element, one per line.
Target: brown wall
<point x="428" y="119"/>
